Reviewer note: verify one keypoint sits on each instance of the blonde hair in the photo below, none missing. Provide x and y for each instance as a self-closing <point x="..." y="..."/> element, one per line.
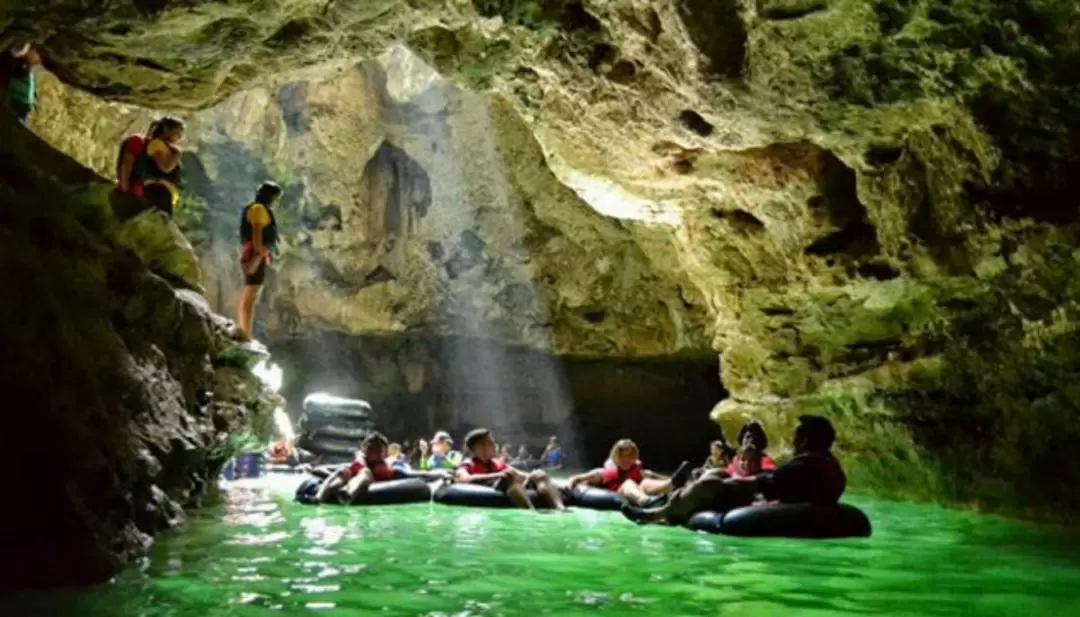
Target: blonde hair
<point x="394" y="447"/>
<point x="623" y="445"/>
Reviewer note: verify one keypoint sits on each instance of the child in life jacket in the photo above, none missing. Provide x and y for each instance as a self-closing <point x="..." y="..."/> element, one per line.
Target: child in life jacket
<point x="483" y="468"/>
<point x="626" y="476"/>
<point x="748" y="463"/>
<point x="350" y="482"/>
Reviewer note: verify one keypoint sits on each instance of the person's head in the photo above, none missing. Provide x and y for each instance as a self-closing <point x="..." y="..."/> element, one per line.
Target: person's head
<point x="374" y="446"/>
<point x="813" y="434"/>
<point x="393" y="450"/>
<point x="422" y="444"/>
<point x="505" y="449"/>
<point x="480" y="444"/>
<point x="716" y="449"/>
<point x="268" y="194"/>
<point x="523" y="451"/>
<point x="441" y="442"/>
<point x="753" y="432"/>
<point x="553" y="441"/>
<point x="168" y="128"/>
<point x="624" y="454"/>
<point x="749" y="459"/>
<point x="25" y="49"/>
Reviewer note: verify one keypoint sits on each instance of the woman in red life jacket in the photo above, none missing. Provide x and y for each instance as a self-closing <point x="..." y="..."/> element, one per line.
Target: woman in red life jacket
<point x="368" y="468"/>
<point x="748" y="463"/>
<point x="483" y="468"/>
<point x="752" y="433"/>
<point x="625" y="476"/>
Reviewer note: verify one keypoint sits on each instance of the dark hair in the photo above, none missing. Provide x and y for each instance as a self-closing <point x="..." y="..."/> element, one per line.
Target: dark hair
<point x="818" y="432"/>
<point x="757" y="434"/>
<point x="161" y="125"/>
<point x="374" y="438"/>
<point x="268" y="192"/>
<point x="476" y="435"/>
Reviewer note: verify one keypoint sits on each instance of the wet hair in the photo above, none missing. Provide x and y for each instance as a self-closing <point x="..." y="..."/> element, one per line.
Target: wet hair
<point x="162" y="125"/>
<point x="476" y="435"/>
<point x="818" y="432"/>
<point x="268" y="192"/>
<point x="374" y="438"/>
<point x="622" y="446"/>
<point x="756" y="432"/>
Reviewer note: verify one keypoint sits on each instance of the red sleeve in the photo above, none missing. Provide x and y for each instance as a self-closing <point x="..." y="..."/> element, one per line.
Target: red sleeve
<point x="732" y="466"/>
<point x="499" y="465"/>
<point x="356" y="467"/>
<point x="466" y="466"/>
<point x="610" y="474"/>
<point x="767" y="463"/>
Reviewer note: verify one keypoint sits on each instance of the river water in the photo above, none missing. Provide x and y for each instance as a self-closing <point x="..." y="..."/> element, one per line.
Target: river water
<point x="260" y="554"/>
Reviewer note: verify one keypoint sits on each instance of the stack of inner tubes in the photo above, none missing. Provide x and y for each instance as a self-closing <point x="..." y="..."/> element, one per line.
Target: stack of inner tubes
<point x="331" y="427"/>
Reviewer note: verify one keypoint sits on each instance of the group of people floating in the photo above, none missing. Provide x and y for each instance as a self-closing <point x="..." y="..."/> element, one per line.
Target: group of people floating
<point x="729" y="478"/>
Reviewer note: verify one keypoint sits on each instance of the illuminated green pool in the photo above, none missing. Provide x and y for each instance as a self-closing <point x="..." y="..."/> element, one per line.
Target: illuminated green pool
<point x="261" y="554"/>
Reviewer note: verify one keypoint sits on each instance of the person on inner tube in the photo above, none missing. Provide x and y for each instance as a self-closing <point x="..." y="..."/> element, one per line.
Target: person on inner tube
<point x="812" y="476"/>
<point x="483" y="468"/>
<point x="442" y="455"/>
<point x="355" y="479"/>
<point x="749" y="462"/>
<point x="626" y="476"/>
<point x="752" y="433"/>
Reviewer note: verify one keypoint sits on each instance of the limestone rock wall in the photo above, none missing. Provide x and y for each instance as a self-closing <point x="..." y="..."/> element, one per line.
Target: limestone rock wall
<point x="872" y="200"/>
<point x="122" y="408"/>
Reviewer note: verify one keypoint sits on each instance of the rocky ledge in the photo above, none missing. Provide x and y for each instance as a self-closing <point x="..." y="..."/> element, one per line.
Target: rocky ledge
<point x="125" y="392"/>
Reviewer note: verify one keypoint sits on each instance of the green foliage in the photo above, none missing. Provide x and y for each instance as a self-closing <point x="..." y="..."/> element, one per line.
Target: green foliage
<point x="191" y="216"/>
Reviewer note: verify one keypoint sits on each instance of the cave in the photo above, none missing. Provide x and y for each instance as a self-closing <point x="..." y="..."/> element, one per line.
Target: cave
<point x="419" y="383"/>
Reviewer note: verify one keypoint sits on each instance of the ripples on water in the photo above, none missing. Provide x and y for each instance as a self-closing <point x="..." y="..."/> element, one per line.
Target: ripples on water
<point x="265" y="555"/>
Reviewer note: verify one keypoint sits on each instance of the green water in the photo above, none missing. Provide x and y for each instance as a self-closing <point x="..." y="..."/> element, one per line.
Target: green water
<point x="260" y="554"/>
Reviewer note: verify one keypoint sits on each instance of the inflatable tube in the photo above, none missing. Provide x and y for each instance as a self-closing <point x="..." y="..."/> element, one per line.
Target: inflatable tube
<point x="339" y="432"/>
<point x="475" y="496"/>
<point x="391" y="492"/>
<point x="787" y="520"/>
<point x="594" y="498"/>
<point x="320" y="404"/>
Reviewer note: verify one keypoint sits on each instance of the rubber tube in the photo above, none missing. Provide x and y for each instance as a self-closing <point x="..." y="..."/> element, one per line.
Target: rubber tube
<point x="788" y="520"/>
<point x="476" y="496"/>
<point x="387" y="493"/>
<point x="594" y="498"/>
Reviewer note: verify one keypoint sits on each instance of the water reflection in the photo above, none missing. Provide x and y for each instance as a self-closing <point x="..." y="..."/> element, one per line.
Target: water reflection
<point x="262" y="553"/>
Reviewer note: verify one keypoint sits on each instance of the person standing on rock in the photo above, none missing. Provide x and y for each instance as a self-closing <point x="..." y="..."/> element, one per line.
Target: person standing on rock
<point x="158" y="166"/>
<point x="258" y="237"/>
<point x="18" y="82"/>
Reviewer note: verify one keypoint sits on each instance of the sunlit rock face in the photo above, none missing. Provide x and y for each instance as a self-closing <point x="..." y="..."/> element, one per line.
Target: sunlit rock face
<point x="872" y="201"/>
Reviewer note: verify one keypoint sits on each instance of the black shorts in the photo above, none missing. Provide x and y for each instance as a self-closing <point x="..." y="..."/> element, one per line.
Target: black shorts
<point x="160" y="197"/>
<point x="256" y="278"/>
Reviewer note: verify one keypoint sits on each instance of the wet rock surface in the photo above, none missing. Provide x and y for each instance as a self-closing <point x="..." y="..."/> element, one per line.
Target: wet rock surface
<point x="107" y="373"/>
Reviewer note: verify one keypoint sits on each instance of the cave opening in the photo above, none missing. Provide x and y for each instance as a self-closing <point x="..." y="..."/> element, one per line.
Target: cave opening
<point x="420" y="383"/>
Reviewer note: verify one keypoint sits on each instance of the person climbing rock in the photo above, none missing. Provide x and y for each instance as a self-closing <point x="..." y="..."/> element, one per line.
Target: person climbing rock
<point x="130" y="149"/>
<point x="158" y="165"/>
<point x="18" y="81"/>
<point x="258" y="238"/>
<point x="812" y="476"/>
